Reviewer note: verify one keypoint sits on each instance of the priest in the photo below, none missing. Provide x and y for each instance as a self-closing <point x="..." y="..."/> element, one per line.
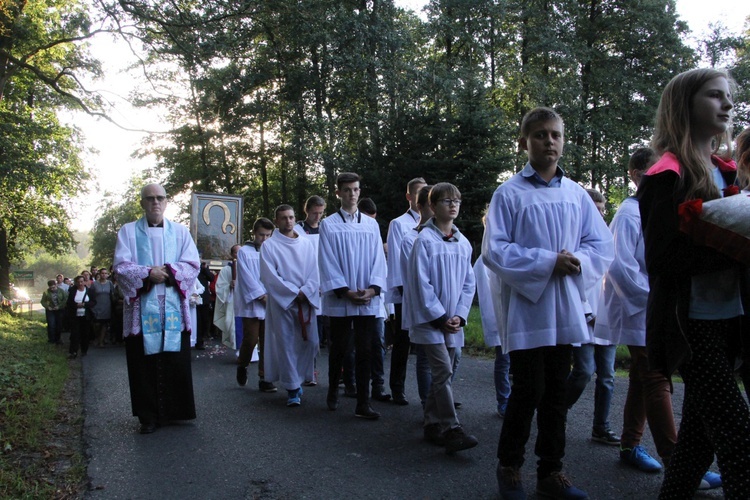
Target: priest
<point x="157" y="263"/>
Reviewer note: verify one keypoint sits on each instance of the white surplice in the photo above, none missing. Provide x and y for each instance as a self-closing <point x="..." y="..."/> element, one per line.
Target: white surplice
<point x="526" y="228"/>
<point x="396" y="231"/>
<point x="288" y="266"/>
<point x="622" y="311"/>
<point x="224" y="308"/>
<point x="248" y="288"/>
<point x="350" y="255"/>
<point x="407" y="243"/>
<point x="441" y="281"/>
<point x="490" y="325"/>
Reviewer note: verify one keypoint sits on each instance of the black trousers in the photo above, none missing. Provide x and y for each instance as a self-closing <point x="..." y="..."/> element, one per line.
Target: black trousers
<point x="539" y="384"/>
<point x="399" y="353"/>
<point x="364" y="331"/>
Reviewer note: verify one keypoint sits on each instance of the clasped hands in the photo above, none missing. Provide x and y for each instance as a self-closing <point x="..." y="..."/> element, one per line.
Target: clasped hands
<point x="567" y="264"/>
<point x="360" y="297"/>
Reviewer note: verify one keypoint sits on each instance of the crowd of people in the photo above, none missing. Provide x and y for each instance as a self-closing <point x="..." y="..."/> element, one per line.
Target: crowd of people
<point x="88" y="307"/>
<point x="558" y="290"/>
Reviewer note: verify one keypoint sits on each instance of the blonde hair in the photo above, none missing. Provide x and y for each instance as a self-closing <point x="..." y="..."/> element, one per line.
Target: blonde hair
<point x="743" y="159"/>
<point x="672" y="132"/>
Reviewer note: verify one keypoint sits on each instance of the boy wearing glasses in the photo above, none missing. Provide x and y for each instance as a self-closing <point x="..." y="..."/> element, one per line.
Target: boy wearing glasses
<point x="439" y="276"/>
<point x="547" y="244"/>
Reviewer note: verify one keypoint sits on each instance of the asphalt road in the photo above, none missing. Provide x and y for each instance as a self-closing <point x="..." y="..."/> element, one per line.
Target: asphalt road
<point x="248" y="445"/>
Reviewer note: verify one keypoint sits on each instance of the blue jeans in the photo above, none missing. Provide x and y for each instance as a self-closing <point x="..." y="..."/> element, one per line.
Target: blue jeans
<point x="587" y="360"/>
<point x="54" y="324"/>
<point x="502" y="383"/>
<point x="424" y="376"/>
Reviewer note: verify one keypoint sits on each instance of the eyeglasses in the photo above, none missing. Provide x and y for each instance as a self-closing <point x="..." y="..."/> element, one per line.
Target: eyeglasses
<point x="448" y="202"/>
<point x="152" y="199"/>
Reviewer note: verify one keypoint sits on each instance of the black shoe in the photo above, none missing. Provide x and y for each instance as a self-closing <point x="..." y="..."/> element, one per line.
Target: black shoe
<point x="266" y="386"/>
<point x="350" y="391"/>
<point x="433" y="434"/>
<point x="148" y="428"/>
<point x="366" y="412"/>
<point x="242" y="375"/>
<point x="332" y="400"/>
<point x="201" y="346"/>
<point x="456" y="440"/>
<point x="457" y="406"/>
<point x="400" y="399"/>
<point x="73" y="355"/>
<point x="379" y="394"/>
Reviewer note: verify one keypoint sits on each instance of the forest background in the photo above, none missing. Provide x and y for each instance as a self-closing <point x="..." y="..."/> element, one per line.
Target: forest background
<point x="271" y="99"/>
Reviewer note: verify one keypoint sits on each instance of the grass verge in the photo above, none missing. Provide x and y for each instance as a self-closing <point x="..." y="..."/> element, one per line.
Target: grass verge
<point x="40" y="415"/>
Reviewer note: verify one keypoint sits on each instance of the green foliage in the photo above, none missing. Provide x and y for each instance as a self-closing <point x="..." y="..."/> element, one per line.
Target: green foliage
<point x="114" y="215"/>
<point x="42" y="55"/>
<point x="274" y="112"/>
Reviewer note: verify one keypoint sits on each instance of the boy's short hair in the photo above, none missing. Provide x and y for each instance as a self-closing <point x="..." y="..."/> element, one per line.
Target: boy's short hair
<point x="346" y="178"/>
<point x="642" y="159"/>
<point x="264" y="223"/>
<point x="596" y="196"/>
<point x="423" y="196"/>
<point x="282" y="208"/>
<point x="414" y="182"/>
<point x="443" y="190"/>
<point x="51" y="282"/>
<point x="314" y="201"/>
<point x="537" y="115"/>
<point x="367" y="206"/>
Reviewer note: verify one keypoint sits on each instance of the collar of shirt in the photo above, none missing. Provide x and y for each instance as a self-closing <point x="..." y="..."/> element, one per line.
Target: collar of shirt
<point x="161" y="224"/>
<point x="414" y="215"/>
<point x="532" y="176"/>
<point x="355" y="217"/>
<point x="453" y="237"/>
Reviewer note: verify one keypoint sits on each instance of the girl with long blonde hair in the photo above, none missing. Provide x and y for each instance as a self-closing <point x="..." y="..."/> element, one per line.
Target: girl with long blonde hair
<point x="694" y="301"/>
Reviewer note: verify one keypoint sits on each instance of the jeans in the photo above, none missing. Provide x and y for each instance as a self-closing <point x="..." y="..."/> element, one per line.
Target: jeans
<point x="587" y="360"/>
<point x="424" y="377"/>
<point x="377" y="374"/>
<point x="502" y="382"/>
<point x="54" y="324"/>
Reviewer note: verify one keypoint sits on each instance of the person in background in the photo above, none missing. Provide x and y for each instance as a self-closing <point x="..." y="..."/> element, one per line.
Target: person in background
<point x="53" y="302"/>
<point x="103" y="292"/>
<point x="401" y="343"/>
<point x="250" y="304"/>
<point x="77" y="307"/>
<point x="596" y="356"/>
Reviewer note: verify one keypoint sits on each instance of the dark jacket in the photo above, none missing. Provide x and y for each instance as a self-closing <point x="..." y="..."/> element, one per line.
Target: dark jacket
<point x="71" y="304"/>
<point x="671" y="261"/>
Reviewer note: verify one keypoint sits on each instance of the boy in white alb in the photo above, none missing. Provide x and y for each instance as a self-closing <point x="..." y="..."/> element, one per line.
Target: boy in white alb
<point x="401" y="342"/>
<point x="548" y="244"/>
<point x="289" y="272"/>
<point x="352" y="274"/>
<point x="440" y="279"/>
<point x="250" y="303"/>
